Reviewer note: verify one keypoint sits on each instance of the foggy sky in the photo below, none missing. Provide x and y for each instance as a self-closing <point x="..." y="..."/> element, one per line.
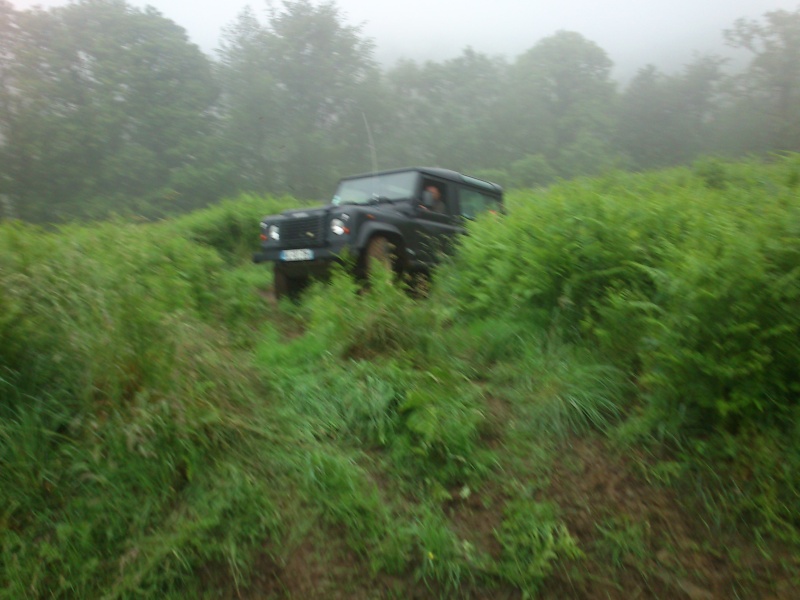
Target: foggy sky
<point x="667" y="33"/>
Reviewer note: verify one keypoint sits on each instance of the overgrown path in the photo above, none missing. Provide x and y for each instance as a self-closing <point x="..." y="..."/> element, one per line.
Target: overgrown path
<point x="640" y="534"/>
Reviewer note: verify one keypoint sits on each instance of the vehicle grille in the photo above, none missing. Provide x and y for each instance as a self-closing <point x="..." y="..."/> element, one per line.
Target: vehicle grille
<point x="303" y="232"/>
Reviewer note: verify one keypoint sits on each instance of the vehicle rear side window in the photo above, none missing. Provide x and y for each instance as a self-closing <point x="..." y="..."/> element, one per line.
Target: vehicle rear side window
<point x="472" y="203"/>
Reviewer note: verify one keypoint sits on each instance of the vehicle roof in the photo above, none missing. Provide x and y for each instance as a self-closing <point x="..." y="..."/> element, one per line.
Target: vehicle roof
<point x="436" y="172"/>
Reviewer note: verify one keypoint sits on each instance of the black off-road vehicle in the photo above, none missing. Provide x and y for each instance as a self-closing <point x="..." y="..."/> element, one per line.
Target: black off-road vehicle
<point x="403" y="219"/>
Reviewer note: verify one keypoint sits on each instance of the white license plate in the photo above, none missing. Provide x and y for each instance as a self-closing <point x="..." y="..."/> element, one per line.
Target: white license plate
<point x="293" y="255"/>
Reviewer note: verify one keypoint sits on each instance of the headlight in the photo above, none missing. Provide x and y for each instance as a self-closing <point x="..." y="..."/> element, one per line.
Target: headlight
<point x="339" y="226"/>
<point x="274" y="232"/>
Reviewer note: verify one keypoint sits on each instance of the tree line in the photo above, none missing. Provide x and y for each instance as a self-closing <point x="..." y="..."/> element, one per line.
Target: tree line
<point x="107" y="108"/>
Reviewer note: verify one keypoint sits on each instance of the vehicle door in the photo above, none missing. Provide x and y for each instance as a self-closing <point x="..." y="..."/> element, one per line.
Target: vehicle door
<point x="436" y="223"/>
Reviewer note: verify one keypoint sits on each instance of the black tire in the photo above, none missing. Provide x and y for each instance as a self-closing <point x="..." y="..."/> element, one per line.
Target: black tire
<point x="285" y="286"/>
<point x="380" y="255"/>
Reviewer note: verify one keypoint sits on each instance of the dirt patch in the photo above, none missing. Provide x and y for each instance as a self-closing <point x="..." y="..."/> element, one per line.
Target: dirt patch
<point x="321" y="565"/>
<point x="497" y="413"/>
<point x="476" y="517"/>
<point x="654" y="545"/>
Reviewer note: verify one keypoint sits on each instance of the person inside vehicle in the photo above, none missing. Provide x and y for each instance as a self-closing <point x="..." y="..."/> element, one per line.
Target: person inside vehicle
<point x="433" y="199"/>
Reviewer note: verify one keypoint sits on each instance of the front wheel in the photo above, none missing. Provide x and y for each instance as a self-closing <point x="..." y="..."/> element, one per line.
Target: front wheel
<point x="287" y="287"/>
<point x="380" y="255"/>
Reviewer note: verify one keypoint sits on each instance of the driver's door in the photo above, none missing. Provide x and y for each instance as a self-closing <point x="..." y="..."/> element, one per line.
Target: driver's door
<point x="435" y="230"/>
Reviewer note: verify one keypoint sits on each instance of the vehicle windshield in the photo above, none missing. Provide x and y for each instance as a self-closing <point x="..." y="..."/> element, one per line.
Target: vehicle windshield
<point x="372" y="188"/>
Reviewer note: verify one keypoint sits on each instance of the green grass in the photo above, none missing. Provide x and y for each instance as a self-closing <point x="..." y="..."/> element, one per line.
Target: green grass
<point x="167" y="430"/>
<point x="623" y="540"/>
<point x="532" y="538"/>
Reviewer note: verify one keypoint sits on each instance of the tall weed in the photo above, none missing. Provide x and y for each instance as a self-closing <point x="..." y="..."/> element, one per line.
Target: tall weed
<point x="230" y="227"/>
<point x="692" y="288"/>
<point x="562" y="391"/>
<point x="118" y="391"/>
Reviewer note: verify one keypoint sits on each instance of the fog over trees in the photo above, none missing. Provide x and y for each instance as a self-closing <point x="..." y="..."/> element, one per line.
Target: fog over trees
<point x="107" y="108"/>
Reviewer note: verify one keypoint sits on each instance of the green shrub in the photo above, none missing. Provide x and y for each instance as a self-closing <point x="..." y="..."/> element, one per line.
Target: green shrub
<point x="232" y="226"/>
<point x="361" y="324"/>
<point x="118" y="389"/>
<point x="348" y="497"/>
<point x="692" y="288"/>
<point x="555" y="257"/>
<point x="160" y="418"/>
<point x="370" y="368"/>
<point x="722" y="342"/>
<point x="532" y="539"/>
<point x="445" y="563"/>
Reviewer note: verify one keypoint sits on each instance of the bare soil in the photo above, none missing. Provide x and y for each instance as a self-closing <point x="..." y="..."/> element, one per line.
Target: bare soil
<point x="683" y="556"/>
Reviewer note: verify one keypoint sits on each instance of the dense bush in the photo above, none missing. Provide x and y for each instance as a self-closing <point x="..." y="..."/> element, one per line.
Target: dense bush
<point x="688" y="279"/>
<point x="232" y="226"/>
<point x="119" y="386"/>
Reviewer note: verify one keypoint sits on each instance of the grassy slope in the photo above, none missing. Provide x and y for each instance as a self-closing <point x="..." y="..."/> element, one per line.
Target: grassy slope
<point x="555" y="420"/>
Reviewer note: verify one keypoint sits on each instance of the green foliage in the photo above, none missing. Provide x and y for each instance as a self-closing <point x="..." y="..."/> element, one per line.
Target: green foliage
<point x="692" y="290"/>
<point x="106" y="108"/>
<point x="563" y="393"/>
<point x="724" y="344"/>
<point x="442" y="416"/>
<point x="348" y="497"/>
<point x="533" y="539"/>
<point x="556" y="389"/>
<point x="686" y="281"/>
<point x="384" y="319"/>
<point x="297" y="90"/>
<point x="116" y="386"/>
<point x="231" y="227"/>
<point x="564" y="254"/>
<point x="532" y="171"/>
<point x="664" y="119"/>
<point x="103" y="312"/>
<point x="771" y="75"/>
<point x="624" y="540"/>
<point x="484" y="345"/>
<point x="751" y="477"/>
<point x="407" y="398"/>
<point x="445" y="563"/>
<point x="713" y="172"/>
<point x="163" y="420"/>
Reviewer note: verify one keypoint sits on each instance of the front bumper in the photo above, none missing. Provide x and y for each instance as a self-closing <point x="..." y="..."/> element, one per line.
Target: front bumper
<point x="321" y="263"/>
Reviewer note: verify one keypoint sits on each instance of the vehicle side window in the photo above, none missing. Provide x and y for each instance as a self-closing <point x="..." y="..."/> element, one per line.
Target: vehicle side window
<point x="472" y="203"/>
<point x="437" y="196"/>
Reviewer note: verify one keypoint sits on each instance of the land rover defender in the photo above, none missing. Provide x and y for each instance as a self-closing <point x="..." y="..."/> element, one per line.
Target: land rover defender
<point x="402" y="218"/>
